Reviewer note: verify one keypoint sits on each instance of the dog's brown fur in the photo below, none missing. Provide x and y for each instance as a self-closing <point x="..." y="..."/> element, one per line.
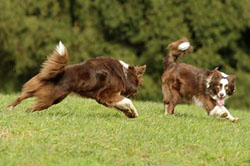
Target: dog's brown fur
<point x="104" y="79"/>
<point x="183" y="82"/>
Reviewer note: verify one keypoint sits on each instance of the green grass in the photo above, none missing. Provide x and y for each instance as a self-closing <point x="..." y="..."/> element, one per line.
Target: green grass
<point x="81" y="132"/>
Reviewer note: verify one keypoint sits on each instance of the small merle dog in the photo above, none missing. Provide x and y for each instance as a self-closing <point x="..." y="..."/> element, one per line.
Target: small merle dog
<point x="185" y="83"/>
<point x="107" y="80"/>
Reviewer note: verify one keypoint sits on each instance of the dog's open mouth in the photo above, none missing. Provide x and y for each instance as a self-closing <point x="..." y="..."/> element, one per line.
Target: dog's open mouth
<point x="221" y="101"/>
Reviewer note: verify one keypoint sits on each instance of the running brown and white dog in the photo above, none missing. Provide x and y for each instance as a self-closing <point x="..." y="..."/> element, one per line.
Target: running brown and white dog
<point x="107" y="80"/>
<point x="185" y="83"/>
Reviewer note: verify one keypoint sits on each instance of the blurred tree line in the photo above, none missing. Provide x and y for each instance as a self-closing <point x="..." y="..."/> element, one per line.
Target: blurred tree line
<point x="136" y="31"/>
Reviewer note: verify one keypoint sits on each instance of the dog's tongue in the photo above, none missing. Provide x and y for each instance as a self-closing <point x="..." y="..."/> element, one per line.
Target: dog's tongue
<point x="221" y="101"/>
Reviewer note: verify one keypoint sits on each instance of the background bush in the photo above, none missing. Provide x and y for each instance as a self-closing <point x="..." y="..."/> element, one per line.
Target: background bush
<point x="134" y="31"/>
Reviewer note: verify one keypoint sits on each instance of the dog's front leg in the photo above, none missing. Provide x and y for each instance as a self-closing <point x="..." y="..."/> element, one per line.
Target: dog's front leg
<point x="221" y="111"/>
<point x="126" y="106"/>
<point x="229" y="116"/>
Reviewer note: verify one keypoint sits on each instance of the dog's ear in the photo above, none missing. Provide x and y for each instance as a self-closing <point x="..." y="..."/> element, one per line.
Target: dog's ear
<point x="216" y="69"/>
<point x="209" y="73"/>
<point x="231" y="78"/>
<point x="212" y="74"/>
<point x="216" y="73"/>
<point x="231" y="85"/>
<point x="141" y="69"/>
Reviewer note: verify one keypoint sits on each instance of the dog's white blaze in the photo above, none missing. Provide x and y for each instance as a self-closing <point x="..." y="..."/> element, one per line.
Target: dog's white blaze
<point x="223" y="74"/>
<point x="184" y="46"/>
<point x="197" y="102"/>
<point x="224" y="82"/>
<point x="220" y="110"/>
<point x="60" y="48"/>
<point x="127" y="104"/>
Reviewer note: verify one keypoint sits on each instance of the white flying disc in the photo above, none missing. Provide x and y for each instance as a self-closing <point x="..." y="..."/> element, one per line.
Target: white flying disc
<point x="184" y="46"/>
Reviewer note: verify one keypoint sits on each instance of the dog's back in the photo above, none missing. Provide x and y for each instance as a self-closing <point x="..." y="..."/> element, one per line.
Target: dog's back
<point x="92" y="76"/>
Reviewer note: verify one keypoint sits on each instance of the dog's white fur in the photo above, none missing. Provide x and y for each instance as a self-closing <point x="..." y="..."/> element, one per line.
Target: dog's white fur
<point x="197" y="102"/>
<point x="224" y="74"/>
<point x="125" y="67"/>
<point x="208" y="81"/>
<point x="60" y="48"/>
<point x="184" y="46"/>
<point x="218" y="111"/>
<point x="127" y="104"/>
<point x="223" y="82"/>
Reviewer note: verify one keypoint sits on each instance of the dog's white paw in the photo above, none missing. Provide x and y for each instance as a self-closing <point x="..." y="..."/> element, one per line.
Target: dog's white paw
<point x="10" y="108"/>
<point x="235" y="120"/>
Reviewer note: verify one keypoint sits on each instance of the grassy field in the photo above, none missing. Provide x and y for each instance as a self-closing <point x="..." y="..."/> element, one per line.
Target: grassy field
<point x="81" y="132"/>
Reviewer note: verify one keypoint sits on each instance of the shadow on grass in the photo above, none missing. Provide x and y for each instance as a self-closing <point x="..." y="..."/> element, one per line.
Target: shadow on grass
<point x="190" y="116"/>
<point x="92" y="114"/>
<point x="101" y="115"/>
<point x="206" y="118"/>
<point x="61" y="114"/>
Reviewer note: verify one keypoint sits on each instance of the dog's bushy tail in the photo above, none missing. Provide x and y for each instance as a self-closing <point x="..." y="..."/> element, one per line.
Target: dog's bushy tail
<point x="177" y="49"/>
<point x="55" y="63"/>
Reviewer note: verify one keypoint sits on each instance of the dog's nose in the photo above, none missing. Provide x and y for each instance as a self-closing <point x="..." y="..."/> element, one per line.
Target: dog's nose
<point x="221" y="95"/>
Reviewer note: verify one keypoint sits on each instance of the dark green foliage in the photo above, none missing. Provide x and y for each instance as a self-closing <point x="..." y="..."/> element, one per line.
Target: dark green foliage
<point x="134" y="31"/>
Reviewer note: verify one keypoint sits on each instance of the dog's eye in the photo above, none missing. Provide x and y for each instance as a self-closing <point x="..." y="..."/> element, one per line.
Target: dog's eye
<point x="226" y="87"/>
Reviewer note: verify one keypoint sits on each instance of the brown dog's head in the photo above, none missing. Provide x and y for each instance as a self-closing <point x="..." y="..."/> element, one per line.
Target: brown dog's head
<point x="135" y="79"/>
<point x="220" y="86"/>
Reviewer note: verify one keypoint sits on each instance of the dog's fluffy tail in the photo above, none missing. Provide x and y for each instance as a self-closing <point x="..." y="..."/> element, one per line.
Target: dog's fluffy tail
<point x="55" y="63"/>
<point x="177" y="49"/>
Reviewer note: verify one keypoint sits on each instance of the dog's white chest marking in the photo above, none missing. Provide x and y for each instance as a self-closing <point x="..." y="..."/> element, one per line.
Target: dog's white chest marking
<point x="197" y="102"/>
<point x="125" y="67"/>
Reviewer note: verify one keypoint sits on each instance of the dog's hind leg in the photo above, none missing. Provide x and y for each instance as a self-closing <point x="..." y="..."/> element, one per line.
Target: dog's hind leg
<point x="173" y="102"/>
<point x="166" y="104"/>
<point x="47" y="101"/>
<point x="166" y="97"/>
<point x="41" y="105"/>
<point x="23" y="96"/>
